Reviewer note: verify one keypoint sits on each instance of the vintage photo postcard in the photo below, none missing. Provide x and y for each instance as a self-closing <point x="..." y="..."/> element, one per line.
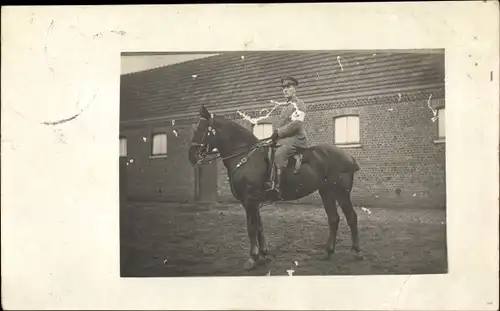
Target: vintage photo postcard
<point x="251" y="156"/>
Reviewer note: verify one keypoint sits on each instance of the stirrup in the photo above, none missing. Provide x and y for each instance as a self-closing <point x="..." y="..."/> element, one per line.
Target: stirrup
<point x="271" y="184"/>
<point x="277" y="193"/>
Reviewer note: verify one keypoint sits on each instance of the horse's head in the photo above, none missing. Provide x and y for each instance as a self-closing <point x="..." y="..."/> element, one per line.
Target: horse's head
<point x="204" y="138"/>
<point x="216" y="132"/>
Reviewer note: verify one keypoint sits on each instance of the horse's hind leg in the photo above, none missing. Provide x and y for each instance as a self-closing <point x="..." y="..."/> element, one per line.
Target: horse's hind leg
<point x="328" y="198"/>
<point x="343" y="195"/>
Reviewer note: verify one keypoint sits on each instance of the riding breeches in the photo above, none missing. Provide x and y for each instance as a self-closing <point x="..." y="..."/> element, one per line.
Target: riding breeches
<point x="283" y="153"/>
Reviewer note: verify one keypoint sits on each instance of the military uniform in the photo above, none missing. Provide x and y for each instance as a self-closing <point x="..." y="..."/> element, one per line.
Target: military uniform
<point x="290" y="133"/>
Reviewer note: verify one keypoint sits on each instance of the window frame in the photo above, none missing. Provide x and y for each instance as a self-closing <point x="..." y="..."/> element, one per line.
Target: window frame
<point x="120" y="146"/>
<point x="347" y="144"/>
<point x="262" y="123"/>
<point x="440" y="139"/>
<point x="158" y="155"/>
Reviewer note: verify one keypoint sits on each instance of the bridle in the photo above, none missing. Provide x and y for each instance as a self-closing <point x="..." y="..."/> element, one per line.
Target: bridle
<point x="249" y="149"/>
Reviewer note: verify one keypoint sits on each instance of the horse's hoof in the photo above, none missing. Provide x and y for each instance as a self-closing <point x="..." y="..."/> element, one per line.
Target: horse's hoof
<point x="249" y="264"/>
<point x="358" y="255"/>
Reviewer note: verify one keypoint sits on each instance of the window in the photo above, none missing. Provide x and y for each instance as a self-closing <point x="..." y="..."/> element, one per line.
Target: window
<point x="346" y="130"/>
<point x="123" y="147"/>
<point x="159" y="144"/>
<point x="262" y="131"/>
<point x="441" y="124"/>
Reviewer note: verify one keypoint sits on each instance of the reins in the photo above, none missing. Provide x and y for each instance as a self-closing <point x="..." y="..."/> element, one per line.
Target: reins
<point x="250" y="149"/>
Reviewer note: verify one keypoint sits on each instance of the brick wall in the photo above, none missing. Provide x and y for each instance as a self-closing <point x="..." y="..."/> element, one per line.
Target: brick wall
<point x="399" y="152"/>
<point x="168" y="178"/>
<point x="400" y="161"/>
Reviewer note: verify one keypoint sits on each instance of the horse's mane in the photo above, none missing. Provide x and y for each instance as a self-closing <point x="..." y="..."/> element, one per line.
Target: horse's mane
<point x="236" y="130"/>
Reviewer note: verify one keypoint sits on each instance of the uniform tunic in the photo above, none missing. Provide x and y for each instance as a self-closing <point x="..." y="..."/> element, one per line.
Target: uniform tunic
<point x="291" y="132"/>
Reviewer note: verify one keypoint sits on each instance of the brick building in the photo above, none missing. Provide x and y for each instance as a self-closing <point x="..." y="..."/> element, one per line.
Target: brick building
<point x="378" y="105"/>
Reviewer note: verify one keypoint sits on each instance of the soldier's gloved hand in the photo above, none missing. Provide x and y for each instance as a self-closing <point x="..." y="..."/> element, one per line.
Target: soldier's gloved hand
<point x="274" y="136"/>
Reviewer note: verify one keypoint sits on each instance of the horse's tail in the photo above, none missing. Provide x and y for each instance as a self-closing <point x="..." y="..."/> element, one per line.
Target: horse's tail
<point x="355" y="165"/>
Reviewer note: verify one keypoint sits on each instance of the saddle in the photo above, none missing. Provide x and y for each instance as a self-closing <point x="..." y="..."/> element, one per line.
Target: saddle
<point x="294" y="161"/>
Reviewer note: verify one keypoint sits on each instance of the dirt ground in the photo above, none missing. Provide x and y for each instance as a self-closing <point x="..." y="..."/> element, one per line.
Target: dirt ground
<point x="168" y="239"/>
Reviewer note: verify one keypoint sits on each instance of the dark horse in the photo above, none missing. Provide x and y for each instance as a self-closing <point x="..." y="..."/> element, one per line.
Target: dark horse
<point x="324" y="168"/>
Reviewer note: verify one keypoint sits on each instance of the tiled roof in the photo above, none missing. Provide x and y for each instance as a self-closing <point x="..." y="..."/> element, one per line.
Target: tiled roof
<point x="239" y="80"/>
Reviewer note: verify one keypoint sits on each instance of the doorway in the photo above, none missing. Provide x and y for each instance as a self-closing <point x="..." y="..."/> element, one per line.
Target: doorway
<point x="206" y="182"/>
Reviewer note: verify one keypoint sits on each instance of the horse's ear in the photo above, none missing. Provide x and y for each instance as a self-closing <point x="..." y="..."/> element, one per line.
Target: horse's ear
<point x="204" y="112"/>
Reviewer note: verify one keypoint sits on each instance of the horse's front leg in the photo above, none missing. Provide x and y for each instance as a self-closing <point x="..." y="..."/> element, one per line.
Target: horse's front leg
<point x="263" y="248"/>
<point x="253" y="220"/>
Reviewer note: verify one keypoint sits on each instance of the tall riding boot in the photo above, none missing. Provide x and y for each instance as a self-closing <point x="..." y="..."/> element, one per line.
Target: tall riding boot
<point x="277" y="186"/>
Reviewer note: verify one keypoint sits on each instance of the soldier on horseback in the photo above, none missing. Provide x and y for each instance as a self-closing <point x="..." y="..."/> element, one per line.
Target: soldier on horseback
<point x="290" y="131"/>
<point x="330" y="170"/>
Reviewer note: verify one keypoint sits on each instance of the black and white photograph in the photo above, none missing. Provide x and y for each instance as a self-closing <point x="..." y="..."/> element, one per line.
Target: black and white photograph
<point x="269" y="163"/>
<point x="277" y="156"/>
